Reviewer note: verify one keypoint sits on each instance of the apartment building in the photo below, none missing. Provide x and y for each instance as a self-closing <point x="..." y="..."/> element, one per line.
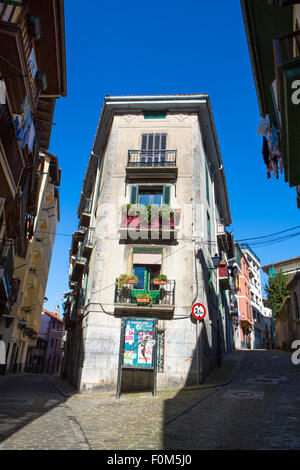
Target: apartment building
<point x="256" y="295"/>
<point x="46" y="356"/>
<point x="273" y="36"/>
<point x="31" y="272"/>
<point x="144" y="252"/>
<point x="32" y="77"/>
<point x="244" y="336"/>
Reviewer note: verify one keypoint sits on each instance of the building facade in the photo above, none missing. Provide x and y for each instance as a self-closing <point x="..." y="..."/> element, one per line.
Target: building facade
<point x="273" y="35"/>
<point x="47" y="355"/>
<point x="256" y="296"/>
<point x="32" y="77"/>
<point x="245" y="337"/>
<point x="153" y="192"/>
<point x="288" y="267"/>
<point x="31" y="272"/>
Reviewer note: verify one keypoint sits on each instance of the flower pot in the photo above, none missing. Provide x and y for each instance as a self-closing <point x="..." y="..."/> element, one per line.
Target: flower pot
<point x="143" y="300"/>
<point x="131" y="281"/>
<point x="159" y="283"/>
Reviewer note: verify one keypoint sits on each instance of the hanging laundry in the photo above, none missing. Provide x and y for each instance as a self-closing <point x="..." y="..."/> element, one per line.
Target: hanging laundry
<point x="29" y="132"/>
<point x="264" y="126"/>
<point x="274" y="136"/>
<point x="281" y="165"/>
<point x="2" y="92"/>
<point x="25" y="106"/>
<point x="265" y="151"/>
<point x="274" y="167"/>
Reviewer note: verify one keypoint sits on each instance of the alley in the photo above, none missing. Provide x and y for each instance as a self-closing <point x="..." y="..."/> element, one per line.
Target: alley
<point x="251" y="402"/>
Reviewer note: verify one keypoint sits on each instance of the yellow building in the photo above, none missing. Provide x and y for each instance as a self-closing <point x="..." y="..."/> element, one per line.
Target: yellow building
<point x="32" y="272"/>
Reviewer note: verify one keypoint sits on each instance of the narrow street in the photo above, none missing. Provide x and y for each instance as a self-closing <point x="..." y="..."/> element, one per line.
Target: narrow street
<point x="251" y="402"/>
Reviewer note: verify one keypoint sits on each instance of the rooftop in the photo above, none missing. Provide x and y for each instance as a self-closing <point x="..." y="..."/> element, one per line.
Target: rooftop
<point x="281" y="263"/>
<point x="52" y="314"/>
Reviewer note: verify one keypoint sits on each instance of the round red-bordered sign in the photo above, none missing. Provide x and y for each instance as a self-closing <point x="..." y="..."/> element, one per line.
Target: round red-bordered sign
<point x="198" y="311"/>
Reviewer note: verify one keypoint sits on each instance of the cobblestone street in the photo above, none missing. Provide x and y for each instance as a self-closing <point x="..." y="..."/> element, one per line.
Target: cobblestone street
<point x="251" y="402"/>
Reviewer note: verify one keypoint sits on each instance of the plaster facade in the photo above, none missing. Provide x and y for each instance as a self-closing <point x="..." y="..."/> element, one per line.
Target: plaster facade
<point x="189" y="350"/>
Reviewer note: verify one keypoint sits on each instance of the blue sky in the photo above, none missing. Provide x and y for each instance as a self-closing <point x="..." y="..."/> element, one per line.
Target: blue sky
<point x="166" y="47"/>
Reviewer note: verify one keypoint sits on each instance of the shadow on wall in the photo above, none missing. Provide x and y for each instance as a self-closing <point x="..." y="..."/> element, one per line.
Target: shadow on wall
<point x="73" y="354"/>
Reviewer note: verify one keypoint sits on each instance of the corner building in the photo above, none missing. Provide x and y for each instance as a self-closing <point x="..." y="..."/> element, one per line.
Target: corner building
<point x="153" y="194"/>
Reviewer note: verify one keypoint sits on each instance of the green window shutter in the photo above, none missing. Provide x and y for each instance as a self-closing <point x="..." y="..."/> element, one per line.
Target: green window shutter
<point x="134" y="194"/>
<point x="166" y="195"/>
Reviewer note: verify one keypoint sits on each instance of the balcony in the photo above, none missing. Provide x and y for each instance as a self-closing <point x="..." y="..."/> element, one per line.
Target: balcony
<point x="18" y="42"/>
<point x="78" y="265"/>
<point x="86" y="213"/>
<point x="224" y="277"/>
<point x="6" y="278"/>
<point x="12" y="161"/>
<point x="287" y="69"/>
<point x="155" y="298"/>
<point x="151" y="163"/>
<point x="77" y="237"/>
<point x="88" y="242"/>
<point x="149" y="222"/>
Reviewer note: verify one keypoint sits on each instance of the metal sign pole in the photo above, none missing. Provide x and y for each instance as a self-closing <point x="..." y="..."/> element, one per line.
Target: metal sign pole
<point x="121" y="354"/>
<point x="155" y="358"/>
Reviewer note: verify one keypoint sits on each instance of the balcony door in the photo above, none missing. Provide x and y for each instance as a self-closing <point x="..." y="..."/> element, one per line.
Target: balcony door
<point x="145" y="274"/>
<point x="154" y="149"/>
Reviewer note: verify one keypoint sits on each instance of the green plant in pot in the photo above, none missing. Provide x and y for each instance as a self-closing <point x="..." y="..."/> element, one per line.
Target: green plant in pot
<point x="166" y="214"/>
<point x="160" y="280"/>
<point x="126" y="279"/>
<point x="143" y="298"/>
<point x="154" y="215"/>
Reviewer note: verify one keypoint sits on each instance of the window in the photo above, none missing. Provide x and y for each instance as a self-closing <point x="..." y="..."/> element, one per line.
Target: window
<point x="154" y="115"/>
<point x="154" y="141"/>
<point x="156" y="195"/>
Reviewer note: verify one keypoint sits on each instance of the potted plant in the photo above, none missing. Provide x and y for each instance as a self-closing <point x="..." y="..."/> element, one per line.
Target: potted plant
<point x="154" y="217"/>
<point x="132" y="279"/>
<point x="166" y="215"/>
<point x="143" y="298"/>
<point x="126" y="279"/>
<point x="160" y="280"/>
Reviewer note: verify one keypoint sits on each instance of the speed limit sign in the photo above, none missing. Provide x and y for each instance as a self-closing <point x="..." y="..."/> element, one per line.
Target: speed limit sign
<point x="198" y="311"/>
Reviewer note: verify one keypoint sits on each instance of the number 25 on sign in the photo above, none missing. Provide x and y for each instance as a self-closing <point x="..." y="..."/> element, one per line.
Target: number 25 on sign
<point x="198" y="311"/>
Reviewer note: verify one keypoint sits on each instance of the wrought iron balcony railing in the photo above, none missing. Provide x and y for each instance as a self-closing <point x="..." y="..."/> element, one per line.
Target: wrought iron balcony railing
<point x="151" y="158"/>
<point x="10" y="145"/>
<point x="152" y="294"/>
<point x="89" y="236"/>
<point x="86" y="212"/>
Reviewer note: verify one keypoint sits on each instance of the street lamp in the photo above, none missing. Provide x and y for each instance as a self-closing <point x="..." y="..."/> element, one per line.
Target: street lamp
<point x="216" y="260"/>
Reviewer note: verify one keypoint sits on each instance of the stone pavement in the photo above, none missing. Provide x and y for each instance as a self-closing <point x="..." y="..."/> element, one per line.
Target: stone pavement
<point x="251" y="402"/>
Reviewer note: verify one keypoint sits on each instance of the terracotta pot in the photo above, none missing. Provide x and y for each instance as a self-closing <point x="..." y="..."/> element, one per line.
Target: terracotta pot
<point x="141" y="300"/>
<point x="159" y="283"/>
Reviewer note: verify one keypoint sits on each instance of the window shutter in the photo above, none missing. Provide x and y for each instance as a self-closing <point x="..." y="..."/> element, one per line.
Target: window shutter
<point x="134" y="192"/>
<point x="144" y="141"/>
<point x="167" y="195"/>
